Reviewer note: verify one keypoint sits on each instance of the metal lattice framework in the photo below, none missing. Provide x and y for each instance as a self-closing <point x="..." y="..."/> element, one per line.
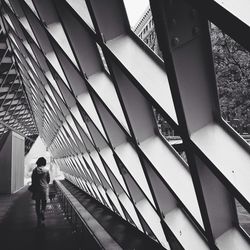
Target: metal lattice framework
<point x="15" y="111"/>
<point x="92" y="84"/>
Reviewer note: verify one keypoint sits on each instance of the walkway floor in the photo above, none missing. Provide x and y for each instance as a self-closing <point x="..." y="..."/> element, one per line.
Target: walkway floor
<point x="18" y="225"/>
<point x="18" y="229"/>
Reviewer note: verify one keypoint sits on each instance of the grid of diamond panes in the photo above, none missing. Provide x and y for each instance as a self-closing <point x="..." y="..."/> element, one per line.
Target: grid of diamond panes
<point x="95" y="87"/>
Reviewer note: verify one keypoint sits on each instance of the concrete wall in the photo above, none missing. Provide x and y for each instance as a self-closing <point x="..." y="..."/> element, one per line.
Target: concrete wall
<point x="17" y="174"/>
<point x="12" y="164"/>
<point x="5" y="166"/>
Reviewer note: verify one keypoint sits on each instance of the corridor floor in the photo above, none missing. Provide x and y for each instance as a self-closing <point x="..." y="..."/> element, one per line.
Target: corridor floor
<point x="18" y="228"/>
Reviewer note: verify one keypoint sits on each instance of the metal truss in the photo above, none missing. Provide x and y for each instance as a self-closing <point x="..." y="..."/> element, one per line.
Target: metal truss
<point x="92" y="85"/>
<point x="15" y="112"/>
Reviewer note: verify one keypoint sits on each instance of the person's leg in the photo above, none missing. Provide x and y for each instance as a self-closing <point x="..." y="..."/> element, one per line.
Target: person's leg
<point x="38" y="211"/>
<point x="38" y="204"/>
<point x="44" y="203"/>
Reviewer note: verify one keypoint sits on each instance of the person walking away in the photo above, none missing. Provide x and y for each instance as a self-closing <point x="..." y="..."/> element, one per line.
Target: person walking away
<point x="40" y="182"/>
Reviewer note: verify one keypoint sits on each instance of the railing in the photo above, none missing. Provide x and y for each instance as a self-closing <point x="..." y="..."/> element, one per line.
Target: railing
<point x="83" y="233"/>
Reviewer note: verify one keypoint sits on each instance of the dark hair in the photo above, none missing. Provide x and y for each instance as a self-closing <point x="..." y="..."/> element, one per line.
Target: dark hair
<point x="41" y="162"/>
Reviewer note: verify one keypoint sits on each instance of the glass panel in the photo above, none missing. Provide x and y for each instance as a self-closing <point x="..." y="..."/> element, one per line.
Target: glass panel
<point x="135" y="10"/>
<point x="142" y="24"/>
<point x="103" y="58"/>
<point x="81" y="9"/>
<point x="31" y="5"/>
<point x="243" y="217"/>
<point x="8" y="2"/>
<point x="169" y="134"/>
<point x="232" y="68"/>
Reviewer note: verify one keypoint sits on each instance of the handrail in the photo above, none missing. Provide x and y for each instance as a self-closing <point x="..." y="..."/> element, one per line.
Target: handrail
<point x="58" y="185"/>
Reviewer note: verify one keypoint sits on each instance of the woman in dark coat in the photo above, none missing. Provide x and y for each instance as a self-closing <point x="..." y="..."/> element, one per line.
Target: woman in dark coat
<point x="40" y="183"/>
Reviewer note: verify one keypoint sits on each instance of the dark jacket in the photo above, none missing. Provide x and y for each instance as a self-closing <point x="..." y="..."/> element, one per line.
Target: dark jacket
<point x="40" y="179"/>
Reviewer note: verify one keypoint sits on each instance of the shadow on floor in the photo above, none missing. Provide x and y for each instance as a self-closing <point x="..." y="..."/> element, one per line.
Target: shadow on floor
<point x="18" y="225"/>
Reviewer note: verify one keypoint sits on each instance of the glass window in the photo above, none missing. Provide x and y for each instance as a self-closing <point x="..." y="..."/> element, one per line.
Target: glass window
<point x="232" y="69"/>
<point x="140" y="19"/>
<point x="103" y="58"/>
<point x="169" y="134"/>
<point x="243" y="217"/>
<point x="81" y="8"/>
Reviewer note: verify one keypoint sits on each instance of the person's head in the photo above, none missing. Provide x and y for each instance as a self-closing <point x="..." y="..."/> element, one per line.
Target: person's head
<point x="41" y="162"/>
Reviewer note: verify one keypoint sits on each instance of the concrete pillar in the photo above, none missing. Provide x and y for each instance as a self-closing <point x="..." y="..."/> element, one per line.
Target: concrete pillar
<point x="11" y="163"/>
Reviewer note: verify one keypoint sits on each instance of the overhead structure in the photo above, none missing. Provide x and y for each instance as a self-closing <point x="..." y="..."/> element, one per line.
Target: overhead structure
<point x="93" y="84"/>
<point x="15" y="111"/>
